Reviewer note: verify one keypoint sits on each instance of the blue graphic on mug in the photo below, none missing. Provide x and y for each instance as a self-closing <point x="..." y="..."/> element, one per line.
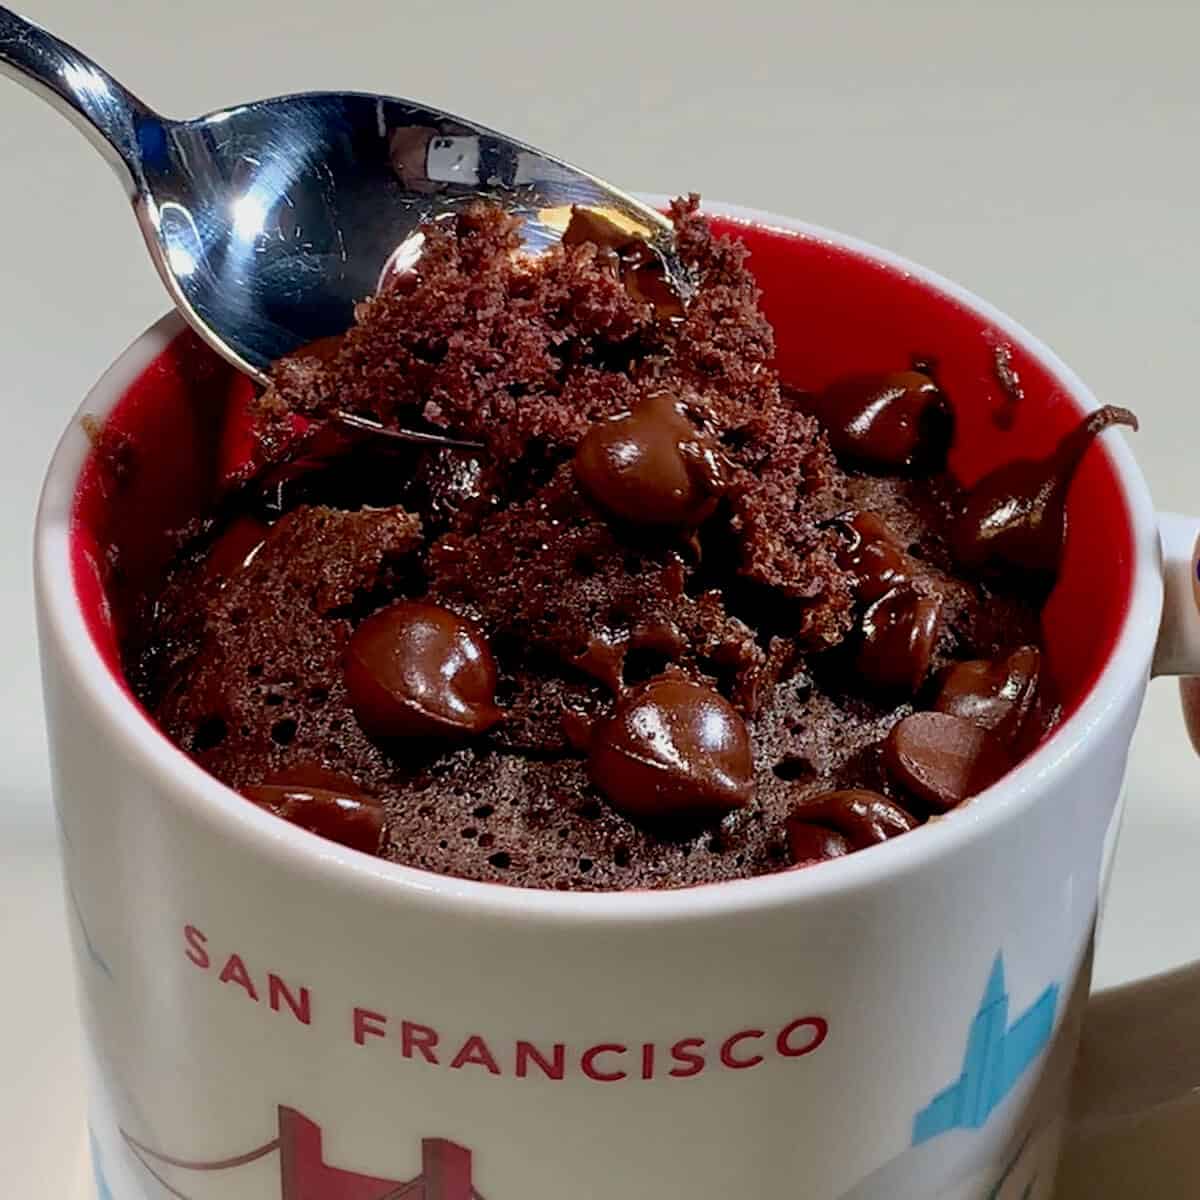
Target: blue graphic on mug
<point x="996" y="1057"/>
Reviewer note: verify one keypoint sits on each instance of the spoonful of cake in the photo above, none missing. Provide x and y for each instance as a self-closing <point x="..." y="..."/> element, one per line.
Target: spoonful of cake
<point x="269" y="221"/>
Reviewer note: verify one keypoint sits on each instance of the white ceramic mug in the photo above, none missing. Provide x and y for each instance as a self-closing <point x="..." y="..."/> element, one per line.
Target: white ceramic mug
<point x="273" y="1016"/>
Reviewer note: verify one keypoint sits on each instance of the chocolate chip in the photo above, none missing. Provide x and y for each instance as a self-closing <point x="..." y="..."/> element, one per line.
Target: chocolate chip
<point x="673" y="748"/>
<point x="1015" y="517"/>
<point x="860" y="817"/>
<point x="899" y="632"/>
<point x="324" y="803"/>
<point x="943" y="759"/>
<point x="872" y="552"/>
<point x="651" y="466"/>
<point x="901" y="419"/>
<point x="809" y="844"/>
<point x="419" y="670"/>
<point x="997" y="695"/>
<point x="646" y="279"/>
<point x="636" y="263"/>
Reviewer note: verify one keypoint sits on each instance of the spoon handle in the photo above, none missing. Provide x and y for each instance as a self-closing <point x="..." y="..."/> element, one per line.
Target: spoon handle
<point x="110" y="116"/>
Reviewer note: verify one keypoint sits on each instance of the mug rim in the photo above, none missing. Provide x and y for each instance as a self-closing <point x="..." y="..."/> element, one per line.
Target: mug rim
<point x="328" y="864"/>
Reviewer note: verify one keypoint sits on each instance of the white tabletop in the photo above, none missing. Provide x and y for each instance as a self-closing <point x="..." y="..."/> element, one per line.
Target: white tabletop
<point x="1042" y="152"/>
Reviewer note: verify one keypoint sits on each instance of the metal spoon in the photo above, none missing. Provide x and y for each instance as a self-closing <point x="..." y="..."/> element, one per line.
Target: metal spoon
<point x="269" y="221"/>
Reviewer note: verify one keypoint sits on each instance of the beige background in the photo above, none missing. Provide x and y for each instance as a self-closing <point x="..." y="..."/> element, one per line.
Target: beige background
<point x="1043" y="154"/>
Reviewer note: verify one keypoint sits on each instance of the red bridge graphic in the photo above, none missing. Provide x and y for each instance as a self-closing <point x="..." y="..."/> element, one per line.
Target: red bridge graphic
<point x="304" y="1174"/>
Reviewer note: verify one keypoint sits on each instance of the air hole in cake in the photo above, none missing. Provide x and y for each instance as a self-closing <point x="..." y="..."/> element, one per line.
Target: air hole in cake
<point x="469" y="832"/>
<point x="209" y="734"/>
<point x="501" y="859"/>
<point x="482" y="810"/>
<point x="591" y="810"/>
<point x="619" y="619"/>
<point x="622" y="857"/>
<point x="643" y="663"/>
<point x="284" y="732"/>
<point x="794" y="767"/>
<point x="318" y="695"/>
<point x="273" y="699"/>
<point x="238" y="616"/>
<point x="585" y="865"/>
<point x="255" y="670"/>
<point x="487" y="839"/>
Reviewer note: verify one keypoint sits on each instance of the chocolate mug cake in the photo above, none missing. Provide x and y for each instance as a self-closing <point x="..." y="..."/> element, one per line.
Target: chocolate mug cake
<point x="541" y="576"/>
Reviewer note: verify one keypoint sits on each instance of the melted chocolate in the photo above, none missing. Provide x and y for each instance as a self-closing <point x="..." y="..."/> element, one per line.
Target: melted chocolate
<point x="324" y="803"/>
<point x="872" y="552"/>
<point x="899" y="632"/>
<point x="811" y="844"/>
<point x="631" y="259"/>
<point x="894" y="421"/>
<point x="1016" y="517"/>
<point x="651" y="466"/>
<point x="419" y="670"/>
<point x="997" y="695"/>
<point x="673" y="748"/>
<point x="943" y="759"/>
<point x="859" y="816"/>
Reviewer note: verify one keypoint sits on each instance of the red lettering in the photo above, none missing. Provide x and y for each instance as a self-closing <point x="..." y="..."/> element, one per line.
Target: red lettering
<point x="647" y="1061"/>
<point x="740" y="1064"/>
<point x="685" y="1053"/>
<point x="820" y="1031"/>
<point x="527" y="1053"/>
<point x="587" y="1062"/>
<point x="301" y="1008"/>
<point x="474" y="1051"/>
<point x="366" y="1021"/>
<point x="418" y="1037"/>
<point x="234" y="971"/>
<point x="196" y="942"/>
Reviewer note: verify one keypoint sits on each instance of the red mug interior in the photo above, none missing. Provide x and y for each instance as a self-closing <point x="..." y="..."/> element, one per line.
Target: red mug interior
<point x="179" y="435"/>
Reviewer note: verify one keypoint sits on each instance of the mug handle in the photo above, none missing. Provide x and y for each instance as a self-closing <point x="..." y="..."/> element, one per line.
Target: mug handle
<point x="1140" y="1051"/>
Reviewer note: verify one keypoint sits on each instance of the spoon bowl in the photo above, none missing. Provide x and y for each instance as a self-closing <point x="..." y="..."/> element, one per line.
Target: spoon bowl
<point x="269" y="221"/>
